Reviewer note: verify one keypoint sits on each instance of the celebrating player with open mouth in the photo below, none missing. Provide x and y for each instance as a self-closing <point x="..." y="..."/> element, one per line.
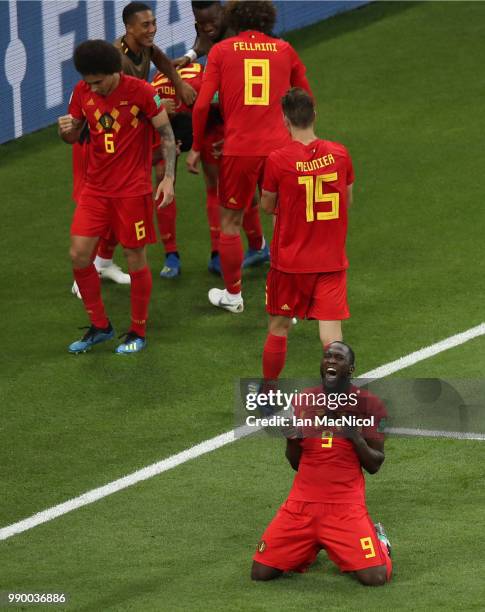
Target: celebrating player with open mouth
<point x="326" y="507"/>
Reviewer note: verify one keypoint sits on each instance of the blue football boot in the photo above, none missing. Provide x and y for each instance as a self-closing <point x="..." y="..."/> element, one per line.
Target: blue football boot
<point x="133" y="343"/>
<point x="171" y="267"/>
<point x="254" y="257"/>
<point x="94" y="335"/>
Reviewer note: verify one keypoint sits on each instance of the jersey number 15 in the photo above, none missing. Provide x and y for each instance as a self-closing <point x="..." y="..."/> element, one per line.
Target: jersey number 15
<point x="314" y="193"/>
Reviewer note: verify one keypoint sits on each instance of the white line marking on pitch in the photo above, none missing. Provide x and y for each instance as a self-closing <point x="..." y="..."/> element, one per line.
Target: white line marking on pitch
<point x="226" y="438"/>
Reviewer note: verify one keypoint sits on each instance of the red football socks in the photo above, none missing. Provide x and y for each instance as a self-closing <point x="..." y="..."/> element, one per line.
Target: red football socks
<point x="167" y="218"/>
<point x="213" y="217"/>
<point x="89" y="285"/>
<point x="252" y="227"/>
<point x="274" y="356"/>
<point x="141" y="289"/>
<point x="231" y="254"/>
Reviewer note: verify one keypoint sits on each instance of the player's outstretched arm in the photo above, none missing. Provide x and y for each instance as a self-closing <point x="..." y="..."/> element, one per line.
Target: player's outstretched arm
<point x="183" y="90"/>
<point x="69" y="128"/>
<point x="268" y="201"/>
<point x="293" y="452"/>
<point x="169" y="153"/>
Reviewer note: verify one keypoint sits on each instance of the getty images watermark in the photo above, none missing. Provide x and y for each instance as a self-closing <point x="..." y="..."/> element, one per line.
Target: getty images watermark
<point x="287" y="409"/>
<point x="429" y="407"/>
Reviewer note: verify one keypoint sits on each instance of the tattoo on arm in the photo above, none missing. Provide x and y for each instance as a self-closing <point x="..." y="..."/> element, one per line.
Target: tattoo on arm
<point x="169" y="151"/>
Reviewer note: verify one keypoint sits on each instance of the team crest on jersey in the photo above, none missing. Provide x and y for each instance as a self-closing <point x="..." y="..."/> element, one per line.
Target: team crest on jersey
<point x="106" y="121"/>
<point x="261" y="546"/>
<point x="90" y="102"/>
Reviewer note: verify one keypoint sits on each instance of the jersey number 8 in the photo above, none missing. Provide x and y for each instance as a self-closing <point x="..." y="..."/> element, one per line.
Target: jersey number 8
<point x="252" y="97"/>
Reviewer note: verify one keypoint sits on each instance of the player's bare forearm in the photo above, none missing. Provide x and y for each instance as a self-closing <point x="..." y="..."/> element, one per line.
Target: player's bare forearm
<point x="164" y="64"/>
<point x="350" y="195"/>
<point x="268" y="202"/>
<point x="293" y="453"/>
<point x="370" y="453"/>
<point x="167" y="145"/>
<point x="202" y="45"/>
<point x="169" y="149"/>
<point x="183" y="90"/>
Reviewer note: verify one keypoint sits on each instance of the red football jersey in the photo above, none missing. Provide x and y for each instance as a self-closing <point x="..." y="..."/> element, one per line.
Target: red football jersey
<point x="311" y="213"/>
<point x="192" y="74"/>
<point x="329" y="469"/>
<point x="252" y="72"/>
<point x="119" y="153"/>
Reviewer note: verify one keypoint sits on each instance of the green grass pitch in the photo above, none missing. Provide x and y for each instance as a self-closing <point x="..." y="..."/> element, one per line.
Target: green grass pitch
<point x="399" y="84"/>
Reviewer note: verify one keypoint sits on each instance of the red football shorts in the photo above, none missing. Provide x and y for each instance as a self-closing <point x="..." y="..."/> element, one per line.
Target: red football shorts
<point x="130" y="218"/>
<point x="238" y="179"/>
<point x="300" y="530"/>
<point x="321" y="296"/>
<point x="213" y="134"/>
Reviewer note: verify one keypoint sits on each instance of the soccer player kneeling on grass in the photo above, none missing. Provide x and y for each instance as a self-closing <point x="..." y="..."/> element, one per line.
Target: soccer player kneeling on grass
<point x="117" y="192"/>
<point x="308" y="187"/>
<point x="326" y="506"/>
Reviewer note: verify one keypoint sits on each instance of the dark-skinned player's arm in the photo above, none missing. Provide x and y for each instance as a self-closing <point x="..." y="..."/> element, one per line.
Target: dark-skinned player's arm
<point x="183" y="90"/>
<point x="69" y="128"/>
<point x="293" y="452"/>
<point x="200" y="47"/>
<point x="168" y="146"/>
<point x="200" y="112"/>
<point x="370" y="451"/>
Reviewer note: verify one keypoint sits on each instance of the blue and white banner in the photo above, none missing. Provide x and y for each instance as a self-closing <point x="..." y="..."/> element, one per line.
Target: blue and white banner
<point x="38" y="38"/>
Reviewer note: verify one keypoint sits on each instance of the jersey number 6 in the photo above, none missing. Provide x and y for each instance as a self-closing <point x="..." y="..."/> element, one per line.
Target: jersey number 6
<point x="314" y="193"/>
<point x="109" y="144"/>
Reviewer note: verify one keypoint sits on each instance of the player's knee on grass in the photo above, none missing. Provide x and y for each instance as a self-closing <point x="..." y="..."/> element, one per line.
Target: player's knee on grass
<point x="372" y="576"/>
<point x="264" y="572"/>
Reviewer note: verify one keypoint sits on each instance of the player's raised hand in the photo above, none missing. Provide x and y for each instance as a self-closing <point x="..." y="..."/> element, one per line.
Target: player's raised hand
<point x="187" y="94"/>
<point x="192" y="161"/>
<point x="165" y="187"/>
<point x="66" y="124"/>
